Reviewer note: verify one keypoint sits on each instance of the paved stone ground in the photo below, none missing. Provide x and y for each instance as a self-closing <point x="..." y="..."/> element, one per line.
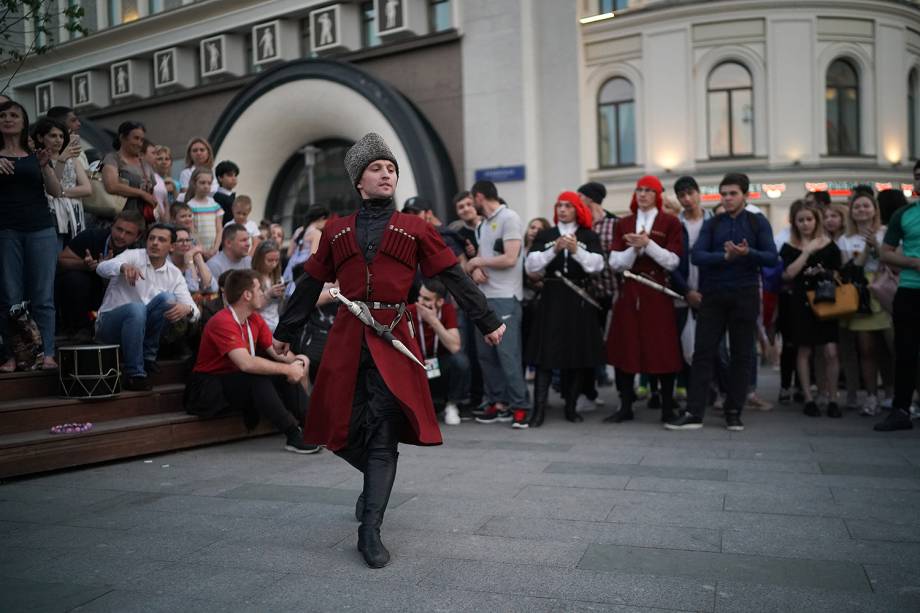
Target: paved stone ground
<point x="794" y="514"/>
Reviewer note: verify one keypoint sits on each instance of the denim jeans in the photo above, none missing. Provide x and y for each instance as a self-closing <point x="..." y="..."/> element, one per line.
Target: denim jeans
<point x="28" y="262"/>
<point x="137" y="328"/>
<point x="502" y="369"/>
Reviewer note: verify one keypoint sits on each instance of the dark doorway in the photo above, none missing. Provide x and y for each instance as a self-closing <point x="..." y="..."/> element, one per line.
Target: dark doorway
<point x="290" y="197"/>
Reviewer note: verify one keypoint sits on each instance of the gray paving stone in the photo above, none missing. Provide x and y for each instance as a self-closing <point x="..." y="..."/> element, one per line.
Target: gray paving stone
<point x="861" y="552"/>
<point x="304" y="493"/>
<point x="214" y="505"/>
<point x="659" y="484"/>
<point x="884" y="531"/>
<point x="890" y="497"/>
<point x="636" y="470"/>
<point x="812" y="507"/>
<point x="207" y="582"/>
<point x="732" y="520"/>
<point x="734" y="597"/>
<point x="869" y="470"/>
<point x="576" y="584"/>
<point x="895" y="580"/>
<point x="337" y="594"/>
<point x="780" y="466"/>
<point x="839" y="481"/>
<point x="639" y="535"/>
<point x="561" y="508"/>
<point x="131" y="601"/>
<point x="22" y="595"/>
<point x="726" y="566"/>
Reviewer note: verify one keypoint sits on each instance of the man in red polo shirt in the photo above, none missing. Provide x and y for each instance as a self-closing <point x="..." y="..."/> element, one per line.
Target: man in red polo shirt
<point x="230" y="373"/>
<point x="438" y="337"/>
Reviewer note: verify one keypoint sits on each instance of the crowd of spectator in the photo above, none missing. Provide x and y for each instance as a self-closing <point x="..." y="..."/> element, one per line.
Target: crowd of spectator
<point x="680" y="305"/>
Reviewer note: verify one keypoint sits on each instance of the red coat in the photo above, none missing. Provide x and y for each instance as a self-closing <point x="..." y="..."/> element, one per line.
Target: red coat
<point x="643" y="335"/>
<point x="407" y="242"/>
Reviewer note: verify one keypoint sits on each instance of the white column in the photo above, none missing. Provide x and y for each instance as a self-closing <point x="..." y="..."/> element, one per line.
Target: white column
<point x="891" y="93"/>
<point x="790" y="83"/>
<point x="668" y="120"/>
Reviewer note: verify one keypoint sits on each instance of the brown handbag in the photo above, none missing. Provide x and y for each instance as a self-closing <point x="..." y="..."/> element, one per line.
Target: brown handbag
<point x="845" y="304"/>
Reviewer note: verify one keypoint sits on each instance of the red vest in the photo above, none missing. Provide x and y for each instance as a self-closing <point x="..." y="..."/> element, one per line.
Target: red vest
<point x="408" y="242"/>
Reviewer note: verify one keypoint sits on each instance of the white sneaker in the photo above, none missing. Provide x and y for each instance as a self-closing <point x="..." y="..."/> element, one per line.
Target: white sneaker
<point x="451" y="415"/>
<point x="870" y="407"/>
<point x="583" y="405"/>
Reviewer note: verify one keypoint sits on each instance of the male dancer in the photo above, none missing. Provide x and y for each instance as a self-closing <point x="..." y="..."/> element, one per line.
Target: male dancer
<point x="368" y="396"/>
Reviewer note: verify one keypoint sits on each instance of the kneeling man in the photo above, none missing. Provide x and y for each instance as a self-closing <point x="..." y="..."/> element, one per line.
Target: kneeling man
<point x="232" y="375"/>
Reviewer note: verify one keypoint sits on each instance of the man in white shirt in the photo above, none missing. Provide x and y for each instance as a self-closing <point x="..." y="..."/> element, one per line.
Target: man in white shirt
<point x="234" y="252"/>
<point x="146" y="291"/>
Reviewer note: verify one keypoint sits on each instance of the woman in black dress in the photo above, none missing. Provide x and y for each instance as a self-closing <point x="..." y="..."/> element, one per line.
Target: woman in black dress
<point x="565" y="333"/>
<point x="808" y="257"/>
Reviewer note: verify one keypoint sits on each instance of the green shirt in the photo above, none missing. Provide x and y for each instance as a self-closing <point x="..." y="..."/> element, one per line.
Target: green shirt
<point x="904" y="230"/>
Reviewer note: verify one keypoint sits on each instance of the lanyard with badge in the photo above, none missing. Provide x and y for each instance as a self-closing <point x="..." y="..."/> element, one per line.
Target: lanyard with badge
<point x="432" y="366"/>
<point x="252" y="345"/>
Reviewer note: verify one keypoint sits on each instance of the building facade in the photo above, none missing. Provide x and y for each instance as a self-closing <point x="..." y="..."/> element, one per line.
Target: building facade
<point x="799" y="94"/>
<point x="284" y="87"/>
<point x="537" y="95"/>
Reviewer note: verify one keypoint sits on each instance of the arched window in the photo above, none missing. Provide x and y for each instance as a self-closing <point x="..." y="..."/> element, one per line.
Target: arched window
<point x="730" y="107"/>
<point x="842" y="96"/>
<point x="616" y="120"/>
<point x="912" y="96"/>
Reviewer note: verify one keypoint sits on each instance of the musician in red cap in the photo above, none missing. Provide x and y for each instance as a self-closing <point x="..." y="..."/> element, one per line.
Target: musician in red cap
<point x="566" y="332"/>
<point x="643" y="335"/>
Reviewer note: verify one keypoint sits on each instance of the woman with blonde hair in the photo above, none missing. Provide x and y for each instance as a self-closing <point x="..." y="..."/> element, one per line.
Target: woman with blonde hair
<point x="809" y="256"/>
<point x="198" y="154"/>
<point x="862" y="242"/>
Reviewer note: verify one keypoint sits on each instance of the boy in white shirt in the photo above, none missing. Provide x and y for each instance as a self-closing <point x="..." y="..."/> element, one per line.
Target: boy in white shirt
<point x="242" y="207"/>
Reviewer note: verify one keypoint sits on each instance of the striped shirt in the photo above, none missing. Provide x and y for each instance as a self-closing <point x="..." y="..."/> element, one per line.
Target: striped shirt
<point x="204" y="214"/>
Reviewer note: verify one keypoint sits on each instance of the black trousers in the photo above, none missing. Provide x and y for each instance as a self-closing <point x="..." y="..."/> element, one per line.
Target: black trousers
<point x="373" y="437"/>
<point x="735" y="312"/>
<point x="77" y="292"/>
<point x="272" y="397"/>
<point x="906" y="317"/>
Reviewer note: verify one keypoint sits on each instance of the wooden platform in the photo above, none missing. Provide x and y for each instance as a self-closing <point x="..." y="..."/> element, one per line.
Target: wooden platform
<point x="133" y="424"/>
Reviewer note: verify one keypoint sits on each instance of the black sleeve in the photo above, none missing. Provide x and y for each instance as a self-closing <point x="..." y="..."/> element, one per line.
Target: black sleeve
<point x="469" y="298"/>
<point x="297" y="309"/>
<point x="87" y="239"/>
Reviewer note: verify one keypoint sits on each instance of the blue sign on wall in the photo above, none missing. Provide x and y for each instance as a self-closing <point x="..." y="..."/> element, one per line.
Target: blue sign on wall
<point x="500" y="174"/>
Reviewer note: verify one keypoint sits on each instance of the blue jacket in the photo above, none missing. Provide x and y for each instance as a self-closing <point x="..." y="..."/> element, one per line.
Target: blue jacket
<point x="719" y="274"/>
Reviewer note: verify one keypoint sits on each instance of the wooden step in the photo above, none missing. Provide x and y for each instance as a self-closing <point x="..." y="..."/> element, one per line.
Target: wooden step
<point x="42" y="413"/>
<point x="37" y="451"/>
<point x="41" y="383"/>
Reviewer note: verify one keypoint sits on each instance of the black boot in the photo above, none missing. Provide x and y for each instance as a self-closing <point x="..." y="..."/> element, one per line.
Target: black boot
<point x="378" y="483"/>
<point x="541" y="383"/>
<point x="667" y="398"/>
<point x="570" y="413"/>
<point x="625" y="413"/>
<point x="359" y="507"/>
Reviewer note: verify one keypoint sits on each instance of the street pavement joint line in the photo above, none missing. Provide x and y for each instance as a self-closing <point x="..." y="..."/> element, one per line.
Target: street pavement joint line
<point x="868" y="579"/>
<point x="93" y="599"/>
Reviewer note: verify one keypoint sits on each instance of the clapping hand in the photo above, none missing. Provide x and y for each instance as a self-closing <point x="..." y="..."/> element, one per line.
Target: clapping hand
<point x="7" y="167"/>
<point x="637" y="241"/>
<point x="733" y="250"/>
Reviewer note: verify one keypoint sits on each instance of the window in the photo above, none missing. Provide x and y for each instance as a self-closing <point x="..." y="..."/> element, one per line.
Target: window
<point x="616" y="120"/>
<point x="842" y="96"/>
<point x="730" y="108"/>
<point x="912" y="96"/>
<point x="609" y="6"/>
<point x="439" y="17"/>
<point x="154" y="7"/>
<point x="369" y="37"/>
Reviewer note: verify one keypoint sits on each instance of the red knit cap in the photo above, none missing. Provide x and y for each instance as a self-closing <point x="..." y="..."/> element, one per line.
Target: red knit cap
<point x="582" y="214"/>
<point x="649" y="182"/>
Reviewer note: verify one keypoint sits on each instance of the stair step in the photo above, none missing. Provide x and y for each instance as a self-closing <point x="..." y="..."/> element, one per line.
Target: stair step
<point x="41" y="383"/>
<point x="41" y="413"/>
<point x="36" y="451"/>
